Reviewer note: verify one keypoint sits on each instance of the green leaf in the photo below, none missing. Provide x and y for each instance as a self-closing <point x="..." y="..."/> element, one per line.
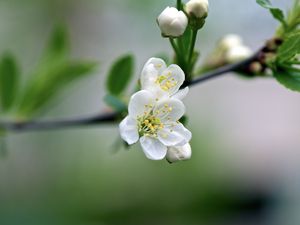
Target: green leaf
<point x="44" y="87"/>
<point x="115" y="103"/>
<point x="120" y="74"/>
<point x="290" y="78"/>
<point x="277" y="13"/>
<point x="58" y="46"/>
<point x="9" y="79"/>
<point x="290" y="47"/>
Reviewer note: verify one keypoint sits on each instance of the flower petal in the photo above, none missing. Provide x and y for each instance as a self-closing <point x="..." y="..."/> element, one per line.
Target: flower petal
<point x="140" y="103"/>
<point x="129" y="130"/>
<point x="152" y="69"/>
<point x="174" y="135"/>
<point x="169" y="110"/>
<point x="174" y="78"/>
<point x="181" y="94"/>
<point x="181" y="153"/>
<point x="153" y="148"/>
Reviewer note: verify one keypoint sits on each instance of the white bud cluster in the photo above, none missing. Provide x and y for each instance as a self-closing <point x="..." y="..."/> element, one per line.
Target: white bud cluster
<point x="233" y="48"/>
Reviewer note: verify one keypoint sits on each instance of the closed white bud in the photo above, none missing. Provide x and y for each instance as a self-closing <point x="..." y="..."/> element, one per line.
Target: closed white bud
<point x="172" y="22"/>
<point x="230" y="41"/>
<point x="238" y="53"/>
<point x="197" y="8"/>
<point x="181" y="153"/>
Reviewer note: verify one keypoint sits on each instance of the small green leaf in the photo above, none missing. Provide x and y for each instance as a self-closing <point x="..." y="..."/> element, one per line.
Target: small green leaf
<point x="9" y="79"/>
<point x="289" y="48"/>
<point x="115" y="103"/>
<point x="289" y="78"/>
<point x="277" y="13"/>
<point x="58" y="46"/>
<point x="120" y="74"/>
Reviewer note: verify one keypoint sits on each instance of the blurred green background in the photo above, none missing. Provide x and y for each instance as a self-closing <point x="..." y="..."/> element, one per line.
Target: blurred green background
<point x="244" y="169"/>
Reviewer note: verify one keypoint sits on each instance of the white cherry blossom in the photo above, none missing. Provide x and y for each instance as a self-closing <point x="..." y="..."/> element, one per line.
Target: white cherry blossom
<point x="155" y="124"/>
<point x="163" y="81"/>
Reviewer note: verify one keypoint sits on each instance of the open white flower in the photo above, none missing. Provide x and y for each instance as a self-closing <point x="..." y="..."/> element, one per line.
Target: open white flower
<point x="172" y="22"/>
<point x="179" y="153"/>
<point x="155" y="123"/>
<point x="163" y="81"/>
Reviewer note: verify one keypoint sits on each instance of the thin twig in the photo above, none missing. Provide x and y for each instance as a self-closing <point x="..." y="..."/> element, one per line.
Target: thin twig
<point x="221" y="71"/>
<point x="111" y="117"/>
<point x="57" y="124"/>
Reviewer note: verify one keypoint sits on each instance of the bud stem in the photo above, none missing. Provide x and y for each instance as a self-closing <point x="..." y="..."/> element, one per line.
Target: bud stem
<point x="179" y="4"/>
<point x="191" y="50"/>
<point x="176" y="50"/>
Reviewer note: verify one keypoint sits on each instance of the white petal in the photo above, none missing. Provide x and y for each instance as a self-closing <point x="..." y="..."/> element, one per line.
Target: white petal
<point x="139" y="103"/>
<point x="181" y="153"/>
<point x="129" y="130"/>
<point x="152" y="69"/>
<point x="175" y="75"/>
<point x="174" y="135"/>
<point x="159" y="64"/>
<point x="169" y="110"/>
<point x="181" y="94"/>
<point x="148" y="77"/>
<point x="153" y="148"/>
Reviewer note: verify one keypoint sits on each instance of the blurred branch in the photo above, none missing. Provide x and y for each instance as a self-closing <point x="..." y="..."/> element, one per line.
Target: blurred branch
<point x="223" y="70"/>
<point x="57" y="124"/>
<point x="111" y="117"/>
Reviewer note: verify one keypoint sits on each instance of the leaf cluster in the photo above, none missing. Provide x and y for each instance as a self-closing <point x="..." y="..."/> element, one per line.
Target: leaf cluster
<point x="54" y="72"/>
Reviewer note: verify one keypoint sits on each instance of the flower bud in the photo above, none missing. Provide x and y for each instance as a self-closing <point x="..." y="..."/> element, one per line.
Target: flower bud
<point x="237" y="54"/>
<point x="172" y="22"/>
<point x="256" y="68"/>
<point x="197" y="8"/>
<point x="230" y="41"/>
<point x="181" y="153"/>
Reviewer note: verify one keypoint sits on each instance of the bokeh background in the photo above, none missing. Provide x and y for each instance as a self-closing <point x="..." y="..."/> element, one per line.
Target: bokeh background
<point x="246" y="160"/>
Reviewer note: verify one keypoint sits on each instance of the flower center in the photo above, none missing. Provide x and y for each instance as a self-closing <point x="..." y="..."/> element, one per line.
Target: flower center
<point x="151" y="122"/>
<point x="149" y="125"/>
<point x="166" y="82"/>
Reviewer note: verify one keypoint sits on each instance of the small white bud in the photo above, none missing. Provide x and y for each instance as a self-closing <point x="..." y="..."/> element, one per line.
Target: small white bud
<point x="197" y="8"/>
<point x="181" y="153"/>
<point x="237" y="54"/>
<point x="172" y="22"/>
<point x="230" y="41"/>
